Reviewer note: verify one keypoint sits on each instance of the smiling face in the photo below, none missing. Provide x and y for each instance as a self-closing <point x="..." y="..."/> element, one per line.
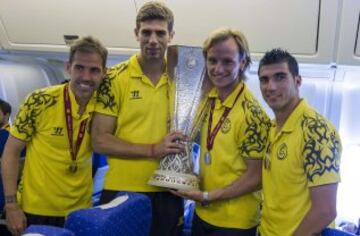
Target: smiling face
<point x="86" y="72"/>
<point x="224" y="63"/>
<point x="279" y="88"/>
<point x="153" y="36"/>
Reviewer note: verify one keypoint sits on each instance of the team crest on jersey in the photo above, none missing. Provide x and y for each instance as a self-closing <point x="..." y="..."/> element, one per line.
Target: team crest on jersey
<point x="282" y="151"/>
<point x="226" y="126"/>
<point x="135" y="94"/>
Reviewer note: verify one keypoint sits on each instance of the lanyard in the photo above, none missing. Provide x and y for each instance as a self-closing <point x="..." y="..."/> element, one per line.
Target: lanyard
<point x="69" y="126"/>
<point x="211" y="135"/>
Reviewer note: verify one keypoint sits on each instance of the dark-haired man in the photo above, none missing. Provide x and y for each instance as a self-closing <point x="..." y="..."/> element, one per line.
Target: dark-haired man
<point x="301" y="168"/>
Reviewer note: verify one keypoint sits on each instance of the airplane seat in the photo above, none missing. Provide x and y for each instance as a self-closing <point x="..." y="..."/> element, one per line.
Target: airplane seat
<point x="99" y="170"/>
<point x="335" y="232"/>
<point x="131" y="212"/>
<point x="47" y="230"/>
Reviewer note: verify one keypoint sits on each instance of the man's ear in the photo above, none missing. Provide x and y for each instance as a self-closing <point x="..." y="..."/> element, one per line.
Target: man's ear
<point x="171" y="35"/>
<point x="136" y="32"/>
<point x="7" y="117"/>
<point x="67" y="67"/>
<point x="105" y="72"/>
<point x="242" y="65"/>
<point x="298" y="80"/>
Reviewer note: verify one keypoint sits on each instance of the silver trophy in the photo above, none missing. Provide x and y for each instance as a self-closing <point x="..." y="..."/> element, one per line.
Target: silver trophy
<point x="189" y="87"/>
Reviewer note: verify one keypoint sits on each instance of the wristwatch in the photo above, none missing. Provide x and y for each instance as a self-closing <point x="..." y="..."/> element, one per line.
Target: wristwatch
<point x="205" y="199"/>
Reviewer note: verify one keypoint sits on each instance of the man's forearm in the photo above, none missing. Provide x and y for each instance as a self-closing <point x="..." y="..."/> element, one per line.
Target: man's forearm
<point x="10" y="166"/>
<point x="314" y="222"/>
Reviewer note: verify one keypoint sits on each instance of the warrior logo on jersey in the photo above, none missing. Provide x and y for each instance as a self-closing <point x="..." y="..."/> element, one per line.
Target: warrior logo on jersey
<point x="135" y="94"/>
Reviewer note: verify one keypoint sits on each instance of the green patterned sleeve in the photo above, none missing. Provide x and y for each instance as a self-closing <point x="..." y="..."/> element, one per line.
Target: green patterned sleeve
<point x="321" y="152"/>
<point x="27" y="118"/>
<point x="255" y="129"/>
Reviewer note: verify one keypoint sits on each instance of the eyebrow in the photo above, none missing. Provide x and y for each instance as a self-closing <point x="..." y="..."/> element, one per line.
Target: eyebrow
<point x="280" y="73"/>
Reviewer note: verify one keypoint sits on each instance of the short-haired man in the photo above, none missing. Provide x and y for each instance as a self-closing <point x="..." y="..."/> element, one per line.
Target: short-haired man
<point x="130" y="124"/>
<point x="301" y="169"/>
<point x="53" y="123"/>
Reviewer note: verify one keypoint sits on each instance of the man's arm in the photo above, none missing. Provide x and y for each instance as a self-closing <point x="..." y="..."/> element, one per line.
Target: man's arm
<point x="250" y="181"/>
<point x="322" y="211"/>
<point x="104" y="141"/>
<point x="15" y="218"/>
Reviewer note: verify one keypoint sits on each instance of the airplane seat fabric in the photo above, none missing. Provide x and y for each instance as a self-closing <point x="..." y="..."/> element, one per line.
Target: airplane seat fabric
<point x="335" y="232"/>
<point x="131" y="212"/>
<point x="47" y="230"/>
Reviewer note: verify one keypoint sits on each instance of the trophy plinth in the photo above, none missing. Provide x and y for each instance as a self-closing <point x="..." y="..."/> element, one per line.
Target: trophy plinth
<point x="187" y="92"/>
<point x="173" y="180"/>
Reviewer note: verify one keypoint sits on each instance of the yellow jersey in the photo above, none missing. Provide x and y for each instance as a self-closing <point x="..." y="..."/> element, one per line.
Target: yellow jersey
<point x="47" y="186"/>
<point x="303" y="154"/>
<point x="242" y="136"/>
<point x="141" y="111"/>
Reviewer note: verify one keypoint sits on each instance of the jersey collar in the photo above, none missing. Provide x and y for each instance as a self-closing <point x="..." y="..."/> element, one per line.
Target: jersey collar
<point x="297" y="113"/>
<point x="229" y="101"/>
<point x="137" y="73"/>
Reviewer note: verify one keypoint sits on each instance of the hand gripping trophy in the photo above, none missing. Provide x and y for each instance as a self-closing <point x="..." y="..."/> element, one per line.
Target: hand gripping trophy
<point x="188" y="91"/>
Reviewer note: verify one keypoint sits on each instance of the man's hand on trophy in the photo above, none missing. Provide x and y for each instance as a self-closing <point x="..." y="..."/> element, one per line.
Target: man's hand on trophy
<point x="173" y="143"/>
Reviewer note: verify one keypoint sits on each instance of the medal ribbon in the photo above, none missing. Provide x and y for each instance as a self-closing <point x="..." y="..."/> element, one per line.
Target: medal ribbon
<point x="69" y="126"/>
<point x="211" y="135"/>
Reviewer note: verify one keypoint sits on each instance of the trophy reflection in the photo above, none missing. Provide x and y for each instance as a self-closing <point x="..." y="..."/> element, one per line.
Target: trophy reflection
<point x="188" y="92"/>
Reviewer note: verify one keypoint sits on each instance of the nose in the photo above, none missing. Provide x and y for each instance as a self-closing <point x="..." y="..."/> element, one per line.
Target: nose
<point x="86" y="75"/>
<point x="218" y="68"/>
<point x="271" y="84"/>
<point x="153" y="38"/>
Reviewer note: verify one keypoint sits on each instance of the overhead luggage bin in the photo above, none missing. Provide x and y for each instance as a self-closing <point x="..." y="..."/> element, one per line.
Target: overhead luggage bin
<point x="349" y="35"/>
<point x="42" y="25"/>
<point x="306" y="28"/>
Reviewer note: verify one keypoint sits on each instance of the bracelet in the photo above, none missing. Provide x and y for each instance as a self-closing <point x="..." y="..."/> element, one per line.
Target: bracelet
<point x="10" y="199"/>
<point x="205" y="201"/>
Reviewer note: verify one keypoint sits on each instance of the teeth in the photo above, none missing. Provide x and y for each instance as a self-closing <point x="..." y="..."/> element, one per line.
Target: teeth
<point x="85" y="85"/>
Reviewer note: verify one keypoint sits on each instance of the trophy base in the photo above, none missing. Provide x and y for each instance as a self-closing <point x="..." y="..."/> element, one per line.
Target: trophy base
<point x="173" y="180"/>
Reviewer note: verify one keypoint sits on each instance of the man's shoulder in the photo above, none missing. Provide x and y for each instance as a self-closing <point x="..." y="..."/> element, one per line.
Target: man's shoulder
<point x="53" y="90"/>
<point x="118" y="71"/>
<point x="313" y="118"/>
<point x="43" y="97"/>
<point x="252" y="106"/>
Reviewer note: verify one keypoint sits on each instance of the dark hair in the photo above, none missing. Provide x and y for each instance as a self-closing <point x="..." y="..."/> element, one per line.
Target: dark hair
<point x="89" y="45"/>
<point x="278" y="55"/>
<point x="5" y="107"/>
<point x="155" y="10"/>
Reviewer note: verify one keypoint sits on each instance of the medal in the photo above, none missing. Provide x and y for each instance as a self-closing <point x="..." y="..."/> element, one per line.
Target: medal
<point x="207" y="158"/>
<point x="69" y="127"/>
<point x="267" y="162"/>
<point x="73" y="168"/>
